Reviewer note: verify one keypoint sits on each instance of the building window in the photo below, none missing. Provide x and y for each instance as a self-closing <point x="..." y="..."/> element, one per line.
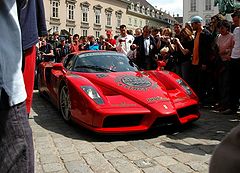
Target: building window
<point x="55" y="8"/>
<point x="97" y="34"/>
<point x="55" y="28"/>
<point x="140" y="23"/>
<point x="119" y="20"/>
<point x="147" y="22"/>
<point x="135" y="22"/>
<point x="85" y="14"/>
<point x="193" y="5"/>
<point x="71" y="30"/>
<point x="119" y="17"/>
<point x="84" y="32"/>
<point x="97" y="16"/>
<point x="208" y="5"/>
<point x="108" y="12"/>
<point x="70" y="11"/>
<point x="109" y="19"/>
<point x="129" y="21"/>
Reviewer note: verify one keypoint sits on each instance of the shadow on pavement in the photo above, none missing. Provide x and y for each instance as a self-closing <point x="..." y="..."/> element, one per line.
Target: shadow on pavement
<point x="204" y="134"/>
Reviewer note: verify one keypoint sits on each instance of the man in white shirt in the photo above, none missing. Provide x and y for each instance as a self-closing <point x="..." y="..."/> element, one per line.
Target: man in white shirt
<point x="124" y="41"/>
<point x="16" y="145"/>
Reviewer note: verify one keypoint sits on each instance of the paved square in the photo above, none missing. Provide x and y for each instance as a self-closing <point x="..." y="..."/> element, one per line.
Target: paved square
<point x="63" y="148"/>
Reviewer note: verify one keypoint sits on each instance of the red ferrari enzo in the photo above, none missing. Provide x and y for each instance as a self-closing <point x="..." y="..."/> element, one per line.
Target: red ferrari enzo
<point x="105" y="92"/>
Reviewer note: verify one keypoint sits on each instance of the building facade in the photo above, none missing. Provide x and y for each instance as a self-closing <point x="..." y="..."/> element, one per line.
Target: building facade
<point x="94" y="17"/>
<point x="141" y="13"/>
<point x="203" y="8"/>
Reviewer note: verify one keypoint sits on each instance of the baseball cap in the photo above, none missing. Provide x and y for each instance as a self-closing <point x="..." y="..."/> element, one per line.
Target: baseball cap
<point x="196" y="19"/>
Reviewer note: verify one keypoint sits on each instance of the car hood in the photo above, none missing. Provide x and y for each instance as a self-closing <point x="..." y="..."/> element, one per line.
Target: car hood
<point x="141" y="87"/>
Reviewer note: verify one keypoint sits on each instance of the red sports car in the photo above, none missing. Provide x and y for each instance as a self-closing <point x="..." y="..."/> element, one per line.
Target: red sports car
<point x="105" y="92"/>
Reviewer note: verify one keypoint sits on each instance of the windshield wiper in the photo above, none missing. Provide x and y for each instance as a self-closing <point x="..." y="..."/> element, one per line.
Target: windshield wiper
<point x="95" y="67"/>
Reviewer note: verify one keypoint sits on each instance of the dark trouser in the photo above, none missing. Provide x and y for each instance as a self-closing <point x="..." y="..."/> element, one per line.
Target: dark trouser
<point x="199" y="82"/>
<point x="16" y="144"/>
<point x="147" y="63"/>
<point x="183" y="70"/>
<point x="224" y="84"/>
<point x="234" y="83"/>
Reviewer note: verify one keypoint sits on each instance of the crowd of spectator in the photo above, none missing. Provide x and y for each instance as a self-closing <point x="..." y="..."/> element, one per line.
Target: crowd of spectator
<point x="206" y="57"/>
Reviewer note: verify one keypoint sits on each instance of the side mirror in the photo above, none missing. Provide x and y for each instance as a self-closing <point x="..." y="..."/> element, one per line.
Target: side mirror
<point x="58" y="66"/>
<point x="160" y="65"/>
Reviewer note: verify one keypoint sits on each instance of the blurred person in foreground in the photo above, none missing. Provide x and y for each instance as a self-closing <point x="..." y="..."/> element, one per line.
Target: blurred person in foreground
<point x="225" y="158"/>
<point x="33" y="25"/>
<point x="16" y="143"/>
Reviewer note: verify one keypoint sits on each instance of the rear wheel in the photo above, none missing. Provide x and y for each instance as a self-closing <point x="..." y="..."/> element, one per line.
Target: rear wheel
<point x="65" y="104"/>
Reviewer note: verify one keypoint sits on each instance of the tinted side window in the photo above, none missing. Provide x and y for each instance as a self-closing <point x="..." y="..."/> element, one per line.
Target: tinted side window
<point x="68" y="62"/>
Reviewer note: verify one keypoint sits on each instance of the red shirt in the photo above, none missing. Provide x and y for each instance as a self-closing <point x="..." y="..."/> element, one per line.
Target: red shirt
<point x="112" y="42"/>
<point x="74" y="47"/>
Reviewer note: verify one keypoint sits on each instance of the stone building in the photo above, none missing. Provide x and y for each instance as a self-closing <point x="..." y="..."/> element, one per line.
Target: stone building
<point x="203" y="8"/>
<point x="94" y="17"/>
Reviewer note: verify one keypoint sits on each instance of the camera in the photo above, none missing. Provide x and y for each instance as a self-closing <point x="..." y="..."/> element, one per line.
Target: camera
<point x="173" y="40"/>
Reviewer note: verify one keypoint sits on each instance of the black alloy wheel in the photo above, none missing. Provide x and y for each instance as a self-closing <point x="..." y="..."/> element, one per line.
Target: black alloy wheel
<point x="65" y="104"/>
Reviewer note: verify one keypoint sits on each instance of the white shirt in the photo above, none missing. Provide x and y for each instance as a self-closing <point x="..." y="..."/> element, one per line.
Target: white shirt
<point x="236" y="49"/>
<point x="123" y="44"/>
<point x="146" y="46"/>
<point x="11" y="77"/>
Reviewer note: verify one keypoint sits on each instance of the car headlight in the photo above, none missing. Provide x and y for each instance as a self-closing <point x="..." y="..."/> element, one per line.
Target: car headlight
<point x="93" y="94"/>
<point x="185" y="86"/>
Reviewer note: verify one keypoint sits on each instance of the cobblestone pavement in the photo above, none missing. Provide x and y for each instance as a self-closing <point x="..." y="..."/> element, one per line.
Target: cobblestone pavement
<point x="63" y="148"/>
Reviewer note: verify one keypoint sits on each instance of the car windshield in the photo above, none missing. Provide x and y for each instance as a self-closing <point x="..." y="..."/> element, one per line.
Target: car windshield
<point x="99" y="62"/>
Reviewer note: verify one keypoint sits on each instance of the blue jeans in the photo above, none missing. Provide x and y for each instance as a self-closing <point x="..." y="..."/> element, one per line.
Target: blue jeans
<point x="16" y="143"/>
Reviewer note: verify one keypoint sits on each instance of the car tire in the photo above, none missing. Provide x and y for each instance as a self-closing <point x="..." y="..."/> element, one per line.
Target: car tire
<point x="65" y="104"/>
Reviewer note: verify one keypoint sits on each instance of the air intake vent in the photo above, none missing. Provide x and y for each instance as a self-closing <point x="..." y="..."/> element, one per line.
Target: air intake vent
<point x="122" y="120"/>
<point x="187" y="111"/>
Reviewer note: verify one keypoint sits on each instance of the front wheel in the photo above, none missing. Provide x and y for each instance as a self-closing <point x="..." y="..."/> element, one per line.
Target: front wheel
<point x="65" y="104"/>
